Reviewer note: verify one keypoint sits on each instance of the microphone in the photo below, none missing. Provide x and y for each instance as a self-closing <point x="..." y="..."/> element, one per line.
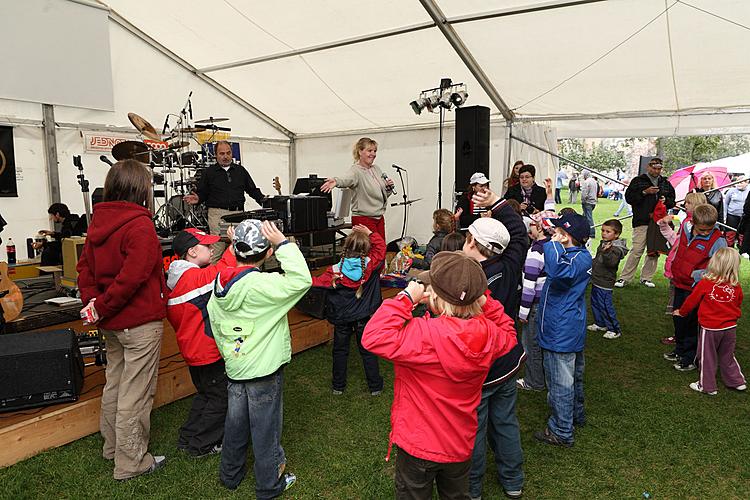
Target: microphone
<point x="398" y="168"/>
<point x="388" y="187"/>
<point x="106" y="160"/>
<point x="166" y="125"/>
<point x="190" y="105"/>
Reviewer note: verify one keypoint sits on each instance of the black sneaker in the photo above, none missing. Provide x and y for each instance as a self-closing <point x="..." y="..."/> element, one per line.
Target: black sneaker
<point x="549" y="437"/>
<point x="684" y="367"/>
<point x="671" y="356"/>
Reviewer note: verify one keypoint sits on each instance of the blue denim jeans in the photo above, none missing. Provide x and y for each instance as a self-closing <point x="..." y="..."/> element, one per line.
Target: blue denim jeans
<point x="534" y="370"/>
<point x="255" y="412"/>
<point x="498" y="424"/>
<point x="564" y="374"/>
<point x="604" y="309"/>
<point x="588" y="212"/>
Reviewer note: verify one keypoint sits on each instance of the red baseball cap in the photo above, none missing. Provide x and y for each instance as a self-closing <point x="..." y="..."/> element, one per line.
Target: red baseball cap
<point x="187" y="239"/>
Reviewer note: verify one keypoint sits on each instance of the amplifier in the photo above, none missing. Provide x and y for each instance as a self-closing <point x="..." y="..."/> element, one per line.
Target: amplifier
<point x="39" y="369"/>
<point x="300" y="214"/>
<point x="262" y="214"/>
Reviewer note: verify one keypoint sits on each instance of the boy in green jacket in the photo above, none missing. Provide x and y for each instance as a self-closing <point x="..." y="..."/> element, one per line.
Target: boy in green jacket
<point x="248" y="313"/>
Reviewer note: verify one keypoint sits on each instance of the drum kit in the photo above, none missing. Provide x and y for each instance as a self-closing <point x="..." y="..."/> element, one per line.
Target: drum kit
<point x="175" y="168"/>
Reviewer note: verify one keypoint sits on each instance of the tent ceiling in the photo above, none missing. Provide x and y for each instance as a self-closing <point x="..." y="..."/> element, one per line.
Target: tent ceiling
<point x="593" y="59"/>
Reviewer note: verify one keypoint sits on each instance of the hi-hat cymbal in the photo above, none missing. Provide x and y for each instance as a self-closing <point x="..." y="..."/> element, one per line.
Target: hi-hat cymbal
<point x="189" y="130"/>
<point x="178" y="145"/>
<point x="129" y="150"/>
<point x="211" y="119"/>
<point x="144" y="127"/>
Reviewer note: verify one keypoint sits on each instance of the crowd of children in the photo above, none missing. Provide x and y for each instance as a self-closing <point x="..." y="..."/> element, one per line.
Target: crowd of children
<point x="456" y="360"/>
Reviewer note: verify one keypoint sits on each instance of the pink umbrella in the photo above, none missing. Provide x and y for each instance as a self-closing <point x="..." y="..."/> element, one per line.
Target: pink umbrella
<point x="686" y="179"/>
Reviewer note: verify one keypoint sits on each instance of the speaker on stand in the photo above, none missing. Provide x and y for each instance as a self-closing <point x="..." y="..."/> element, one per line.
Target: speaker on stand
<point x="472" y="144"/>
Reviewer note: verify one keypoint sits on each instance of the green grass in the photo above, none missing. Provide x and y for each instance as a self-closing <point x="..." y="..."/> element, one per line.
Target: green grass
<point x="646" y="431"/>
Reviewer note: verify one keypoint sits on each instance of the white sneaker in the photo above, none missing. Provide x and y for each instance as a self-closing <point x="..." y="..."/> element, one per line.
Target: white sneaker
<point x="648" y="283"/>
<point x="696" y="386"/>
<point x="612" y="335"/>
<point x="620" y="283"/>
<point x="593" y="327"/>
<point x="742" y="387"/>
<point x="745" y="255"/>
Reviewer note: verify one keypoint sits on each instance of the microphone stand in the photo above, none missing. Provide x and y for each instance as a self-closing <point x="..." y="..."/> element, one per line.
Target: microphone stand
<point x="403" y="195"/>
<point x="84" y="183"/>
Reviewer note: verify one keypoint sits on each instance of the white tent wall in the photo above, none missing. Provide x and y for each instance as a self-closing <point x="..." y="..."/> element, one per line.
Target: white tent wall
<point x="145" y="82"/>
<point x="417" y="151"/>
<point x="539" y="135"/>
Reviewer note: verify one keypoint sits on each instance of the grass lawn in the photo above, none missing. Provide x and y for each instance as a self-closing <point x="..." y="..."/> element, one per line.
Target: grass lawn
<point x="646" y="430"/>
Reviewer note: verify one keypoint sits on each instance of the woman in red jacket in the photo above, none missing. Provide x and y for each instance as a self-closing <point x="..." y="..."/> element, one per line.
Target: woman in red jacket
<point x="121" y="280"/>
<point x="439" y="364"/>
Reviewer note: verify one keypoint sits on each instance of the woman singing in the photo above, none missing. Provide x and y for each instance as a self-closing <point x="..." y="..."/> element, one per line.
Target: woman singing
<point x="370" y="188"/>
<point x="121" y="280"/>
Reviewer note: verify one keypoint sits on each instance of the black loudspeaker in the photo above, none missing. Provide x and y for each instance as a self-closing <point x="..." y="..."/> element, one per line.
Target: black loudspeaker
<point x="97" y="196"/>
<point x="472" y="144"/>
<point x="39" y="369"/>
<point x="644" y="163"/>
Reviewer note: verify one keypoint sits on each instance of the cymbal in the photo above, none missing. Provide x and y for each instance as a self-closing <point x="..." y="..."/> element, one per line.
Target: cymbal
<point x="178" y="145"/>
<point x="144" y="127"/>
<point x="189" y="130"/>
<point x="129" y="150"/>
<point x="211" y="119"/>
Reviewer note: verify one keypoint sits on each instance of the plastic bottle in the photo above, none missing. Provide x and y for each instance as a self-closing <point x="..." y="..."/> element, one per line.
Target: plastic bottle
<point x="11" y="250"/>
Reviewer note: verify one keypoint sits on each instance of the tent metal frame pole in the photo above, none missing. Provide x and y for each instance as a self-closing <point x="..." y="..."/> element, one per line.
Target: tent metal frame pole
<point x="468" y="59"/>
<point x="594" y="172"/>
<point x="292" y="162"/>
<point x="50" y="149"/>
<point x="508" y="149"/>
<point x="321" y="47"/>
<point x="127" y="25"/>
<point x="637" y="114"/>
<point x="555" y="4"/>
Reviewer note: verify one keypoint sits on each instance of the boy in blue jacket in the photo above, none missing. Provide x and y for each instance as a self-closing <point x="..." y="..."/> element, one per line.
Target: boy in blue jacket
<point x="561" y="326"/>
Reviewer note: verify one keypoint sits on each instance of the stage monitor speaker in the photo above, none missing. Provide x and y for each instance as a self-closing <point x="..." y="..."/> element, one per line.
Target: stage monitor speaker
<point x="39" y="369"/>
<point x="97" y="196"/>
<point x="644" y="163"/>
<point x="472" y="144"/>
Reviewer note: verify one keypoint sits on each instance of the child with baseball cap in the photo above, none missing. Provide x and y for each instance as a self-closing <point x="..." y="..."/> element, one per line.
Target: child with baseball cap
<point x="248" y="310"/>
<point x="440" y="362"/>
<point x="189" y="281"/>
<point x="561" y="332"/>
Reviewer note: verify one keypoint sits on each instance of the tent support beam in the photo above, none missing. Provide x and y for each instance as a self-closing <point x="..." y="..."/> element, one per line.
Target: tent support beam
<point x="637" y="114"/>
<point x="50" y="150"/>
<point x="463" y="52"/>
<point x="292" y="162"/>
<point x="125" y="24"/>
<point x="554" y="4"/>
<point x="321" y="47"/>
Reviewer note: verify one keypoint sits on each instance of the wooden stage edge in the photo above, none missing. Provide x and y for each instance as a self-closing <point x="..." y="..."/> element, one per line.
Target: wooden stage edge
<point x="28" y="432"/>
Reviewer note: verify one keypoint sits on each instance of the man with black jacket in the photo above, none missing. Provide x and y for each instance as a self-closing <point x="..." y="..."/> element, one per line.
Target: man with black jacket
<point x="643" y="193"/>
<point x="71" y="225"/>
<point x="222" y="188"/>
<point x="500" y="245"/>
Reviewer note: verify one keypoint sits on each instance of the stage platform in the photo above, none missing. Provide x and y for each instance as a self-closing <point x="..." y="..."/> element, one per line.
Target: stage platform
<point x="28" y="432"/>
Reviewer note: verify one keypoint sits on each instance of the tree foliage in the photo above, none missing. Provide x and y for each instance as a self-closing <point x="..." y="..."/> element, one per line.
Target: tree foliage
<point x="678" y="152"/>
<point x="599" y="157"/>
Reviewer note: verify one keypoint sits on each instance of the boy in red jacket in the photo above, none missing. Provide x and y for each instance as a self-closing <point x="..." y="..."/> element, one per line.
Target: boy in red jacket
<point x="190" y="280"/>
<point x="440" y="364"/>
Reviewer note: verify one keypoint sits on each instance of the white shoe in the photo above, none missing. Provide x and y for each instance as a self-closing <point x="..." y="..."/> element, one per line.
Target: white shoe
<point x="696" y="386"/>
<point x="593" y="327"/>
<point x="648" y="283"/>
<point x="742" y="387"/>
<point x="620" y="283"/>
<point x="612" y="335"/>
<point x="745" y="255"/>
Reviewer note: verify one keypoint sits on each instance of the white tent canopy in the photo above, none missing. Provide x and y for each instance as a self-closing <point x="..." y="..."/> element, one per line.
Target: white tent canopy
<point x="317" y="67"/>
<point x="301" y="81"/>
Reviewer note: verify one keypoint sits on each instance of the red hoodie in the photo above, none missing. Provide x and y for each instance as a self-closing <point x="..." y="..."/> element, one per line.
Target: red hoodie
<point x="440" y="365"/>
<point x="121" y="266"/>
<point x="191" y="288"/>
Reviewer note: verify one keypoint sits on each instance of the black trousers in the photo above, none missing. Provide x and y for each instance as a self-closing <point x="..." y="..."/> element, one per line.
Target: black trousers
<point x="415" y="478"/>
<point x="342" y="334"/>
<point x="685" y="329"/>
<point x="204" y="427"/>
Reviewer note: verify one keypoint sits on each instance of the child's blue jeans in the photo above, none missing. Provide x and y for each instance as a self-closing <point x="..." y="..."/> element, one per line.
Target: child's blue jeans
<point x="604" y="309"/>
